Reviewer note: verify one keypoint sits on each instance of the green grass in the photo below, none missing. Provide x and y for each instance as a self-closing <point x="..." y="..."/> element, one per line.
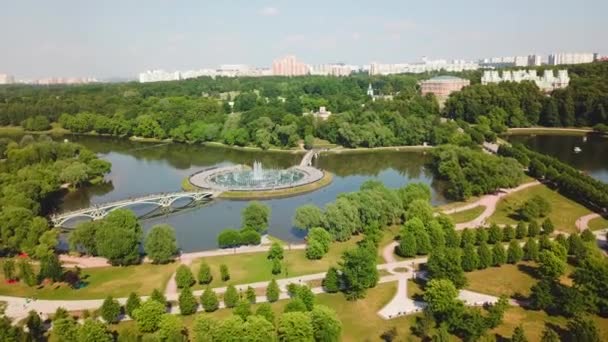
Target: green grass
<point x="102" y="281"/>
<point x="467" y="215"/>
<point x="533" y="323"/>
<point x="415" y="289"/>
<point x="564" y="212"/>
<point x="549" y="130"/>
<point x="360" y="321"/>
<point x="598" y="223"/>
<point x="255" y="267"/>
<point x="326" y="180"/>
<point x="55" y="129"/>
<point x="509" y="280"/>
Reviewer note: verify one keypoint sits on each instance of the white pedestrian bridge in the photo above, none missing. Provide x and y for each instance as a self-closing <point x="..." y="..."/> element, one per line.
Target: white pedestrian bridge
<point x="162" y="200"/>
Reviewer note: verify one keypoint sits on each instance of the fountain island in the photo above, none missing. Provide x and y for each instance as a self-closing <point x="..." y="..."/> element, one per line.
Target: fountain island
<point x="241" y="181"/>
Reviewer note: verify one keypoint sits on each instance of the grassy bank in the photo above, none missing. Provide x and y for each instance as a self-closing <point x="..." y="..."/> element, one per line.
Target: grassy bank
<point x="467" y="215"/>
<point x="509" y="280"/>
<point x="564" y="212"/>
<point x="549" y="130"/>
<point x="56" y="129"/>
<point x="101" y="282"/>
<point x="340" y="150"/>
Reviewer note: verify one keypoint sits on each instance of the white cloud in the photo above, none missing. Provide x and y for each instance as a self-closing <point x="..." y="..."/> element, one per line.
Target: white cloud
<point x="269" y="11"/>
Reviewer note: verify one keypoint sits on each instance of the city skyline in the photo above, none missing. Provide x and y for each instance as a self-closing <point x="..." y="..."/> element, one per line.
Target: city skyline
<point x="112" y="39"/>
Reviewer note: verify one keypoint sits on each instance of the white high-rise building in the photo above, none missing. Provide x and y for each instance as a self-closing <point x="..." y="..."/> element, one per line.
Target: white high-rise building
<point x="547" y="82"/>
<point x="570" y="58"/>
<point x="289" y="66"/>
<point x="521" y="61"/>
<point x="425" y="66"/>
<point x="534" y="60"/>
<point x="6" y="79"/>
<point x="158" y="76"/>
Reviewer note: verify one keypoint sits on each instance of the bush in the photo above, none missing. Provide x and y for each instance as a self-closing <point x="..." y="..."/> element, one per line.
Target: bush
<point x="187" y="302"/>
<point x="534" y="208"/>
<point x="184" y="277"/>
<point x="249" y="237"/>
<point x="243" y="309"/>
<point x="159" y="297"/>
<point x="231" y="296"/>
<point x="204" y="274"/>
<point x="148" y="315"/>
<point x="160" y="244"/>
<point x="229" y="238"/>
<point x="110" y="310"/>
<point x="272" y="291"/>
<point x="224" y="273"/>
<point x="133" y="302"/>
<point x="314" y="250"/>
<point x="276" y="266"/>
<point x="331" y="282"/>
<point x="209" y="300"/>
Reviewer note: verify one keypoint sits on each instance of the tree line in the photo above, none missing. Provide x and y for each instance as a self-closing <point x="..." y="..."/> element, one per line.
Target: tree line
<point x="583" y="103"/>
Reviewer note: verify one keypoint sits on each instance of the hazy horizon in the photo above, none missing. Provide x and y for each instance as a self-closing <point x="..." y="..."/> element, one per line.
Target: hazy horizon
<point x="70" y="38"/>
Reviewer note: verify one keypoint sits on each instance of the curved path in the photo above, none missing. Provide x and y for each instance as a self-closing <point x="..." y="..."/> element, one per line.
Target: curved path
<point x="489" y="202"/>
<point x="582" y="222"/>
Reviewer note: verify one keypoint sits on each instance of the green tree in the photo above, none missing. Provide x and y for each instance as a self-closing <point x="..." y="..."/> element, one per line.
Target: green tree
<point x="272" y="291"/>
<point x="331" y="282"/>
<point x="160" y="244"/>
<point x="209" y="300"/>
<point x="74" y="174"/>
<point x="229" y="238"/>
<point x="587" y="236"/>
<point x="243" y="309"/>
<point x="256" y="216"/>
<point x="518" y="334"/>
<point x="34" y="325"/>
<point x="514" y="252"/>
<point x="549" y="335"/>
<point x="204" y="328"/>
<point x="93" y="330"/>
<point x="359" y="271"/>
<point x="547" y="226"/>
<point x="224" y="273"/>
<point x="148" y="315"/>
<point x="530" y="250"/>
<point x="265" y="310"/>
<point x="8" y="269"/>
<point x="470" y="259"/>
<point x="325" y="324"/>
<point x="407" y="244"/>
<point x="550" y="265"/>
<point x="258" y="329"/>
<point x="276" y="264"/>
<point x="26" y="273"/>
<point x="342" y="218"/>
<point x="250" y="295"/>
<point x="583" y="329"/>
<point x="159" y="297"/>
<point x="229" y="328"/>
<point x="441" y="297"/>
<point x="499" y="257"/>
<point x="521" y="231"/>
<point x="184" y="277"/>
<point x="133" y="302"/>
<point x="64" y="330"/>
<point x="187" y="302"/>
<point x="204" y="274"/>
<point x="481" y="236"/>
<point x="308" y="216"/>
<point x="171" y="329"/>
<point x="508" y="233"/>
<point x="446" y="264"/>
<point x="276" y="251"/>
<point x="118" y="237"/>
<point x="309" y="141"/>
<point x="467" y="237"/>
<point x="295" y="326"/>
<point x="50" y="268"/>
<point x="485" y="256"/>
<point x="494" y="234"/>
<point x="231" y="296"/>
<point x="110" y="310"/>
<point x="533" y="229"/>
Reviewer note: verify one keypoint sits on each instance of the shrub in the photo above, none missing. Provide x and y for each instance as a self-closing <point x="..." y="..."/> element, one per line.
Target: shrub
<point x="187" y="302"/>
<point x="331" y="283"/>
<point x="110" y="310"/>
<point x="249" y="237"/>
<point x="184" y="277"/>
<point x="204" y="274"/>
<point x="231" y="296"/>
<point x="229" y="238"/>
<point x="209" y="300"/>
<point x="272" y="291"/>
<point x="224" y="273"/>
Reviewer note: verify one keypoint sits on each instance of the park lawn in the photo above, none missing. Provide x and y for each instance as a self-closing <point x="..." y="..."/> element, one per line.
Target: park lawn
<point x="564" y="212"/>
<point x="389" y="235"/>
<point x="254" y="267"/>
<point x="360" y="321"/>
<point x="598" y="223"/>
<point x="467" y="215"/>
<point x="102" y="282"/>
<point x="415" y="289"/>
<point x="509" y="280"/>
<point x="533" y="323"/>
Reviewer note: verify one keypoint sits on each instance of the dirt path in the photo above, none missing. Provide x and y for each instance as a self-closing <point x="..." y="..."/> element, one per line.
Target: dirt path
<point x="489" y="202"/>
<point x="582" y="222"/>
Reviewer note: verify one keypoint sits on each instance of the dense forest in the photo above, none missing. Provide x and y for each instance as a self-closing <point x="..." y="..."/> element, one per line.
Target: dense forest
<point x="30" y="172"/>
<point x="582" y="103"/>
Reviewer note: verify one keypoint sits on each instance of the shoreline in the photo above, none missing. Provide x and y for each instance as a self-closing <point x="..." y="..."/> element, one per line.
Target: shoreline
<point x="577" y="131"/>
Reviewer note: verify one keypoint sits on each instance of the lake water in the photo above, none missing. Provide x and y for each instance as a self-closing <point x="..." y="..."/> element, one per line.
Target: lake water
<point x="593" y="158"/>
<point x="143" y="168"/>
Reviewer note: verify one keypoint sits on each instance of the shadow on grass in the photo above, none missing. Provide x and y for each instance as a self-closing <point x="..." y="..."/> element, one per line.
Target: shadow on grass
<point x="529" y="270"/>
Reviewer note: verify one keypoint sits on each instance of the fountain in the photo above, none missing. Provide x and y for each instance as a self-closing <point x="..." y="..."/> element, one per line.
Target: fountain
<point x="255" y="178"/>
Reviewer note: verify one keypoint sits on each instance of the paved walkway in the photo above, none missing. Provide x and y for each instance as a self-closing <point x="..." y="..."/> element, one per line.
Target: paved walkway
<point x="489" y="202"/>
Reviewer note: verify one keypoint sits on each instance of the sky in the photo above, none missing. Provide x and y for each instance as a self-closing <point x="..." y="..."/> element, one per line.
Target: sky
<point x="120" y="38"/>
